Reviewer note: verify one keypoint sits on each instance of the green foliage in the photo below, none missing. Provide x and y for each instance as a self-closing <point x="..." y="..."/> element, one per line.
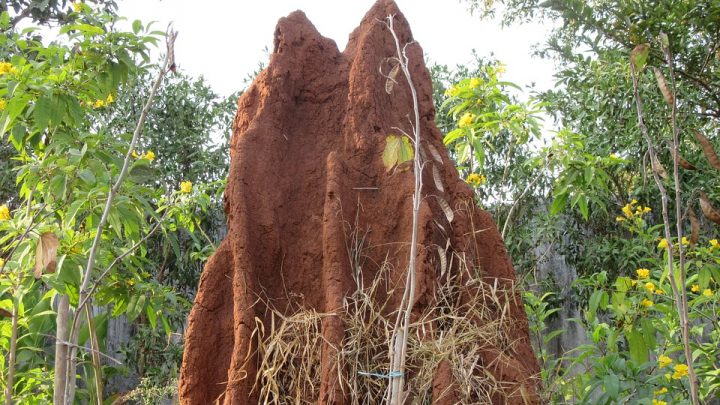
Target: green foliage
<point x="600" y="165"/>
<point x="69" y="138"/>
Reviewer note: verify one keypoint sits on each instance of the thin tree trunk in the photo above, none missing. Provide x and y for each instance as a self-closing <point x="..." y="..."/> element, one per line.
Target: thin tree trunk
<point x="61" y="350"/>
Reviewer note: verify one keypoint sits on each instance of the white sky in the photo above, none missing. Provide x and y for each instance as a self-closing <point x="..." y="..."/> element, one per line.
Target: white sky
<point x="223" y="40"/>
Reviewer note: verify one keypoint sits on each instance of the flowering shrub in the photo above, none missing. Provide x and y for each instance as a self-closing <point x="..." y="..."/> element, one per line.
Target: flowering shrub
<point x="636" y="354"/>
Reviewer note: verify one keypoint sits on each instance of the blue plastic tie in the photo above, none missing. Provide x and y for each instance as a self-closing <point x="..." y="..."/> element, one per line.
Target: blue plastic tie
<point x="392" y="374"/>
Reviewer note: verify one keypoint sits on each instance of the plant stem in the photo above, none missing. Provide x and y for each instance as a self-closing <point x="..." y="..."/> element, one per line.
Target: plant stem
<point x="400" y="337"/>
<point x="684" y="324"/>
<point x="12" y="355"/>
<point x="207" y="238"/>
<point x="87" y="275"/>
<point x="95" y="353"/>
<point x="679" y="296"/>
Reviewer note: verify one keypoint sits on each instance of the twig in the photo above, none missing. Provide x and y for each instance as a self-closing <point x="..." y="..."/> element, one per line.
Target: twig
<point x="399" y="341"/>
<point x="12" y="356"/>
<point x="517" y="200"/>
<point x="69" y="344"/>
<point x="666" y="220"/>
<point x="117" y="260"/>
<point x="685" y="328"/>
<point x="207" y="238"/>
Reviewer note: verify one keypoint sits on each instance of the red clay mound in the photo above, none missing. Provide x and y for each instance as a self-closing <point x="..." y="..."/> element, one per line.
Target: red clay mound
<point x="306" y="165"/>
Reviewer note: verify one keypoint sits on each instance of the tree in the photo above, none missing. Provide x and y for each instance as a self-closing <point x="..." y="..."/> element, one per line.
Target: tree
<point x="605" y="162"/>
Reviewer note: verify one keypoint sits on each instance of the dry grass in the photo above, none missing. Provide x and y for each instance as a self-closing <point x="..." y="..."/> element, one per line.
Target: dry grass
<point x="467" y="318"/>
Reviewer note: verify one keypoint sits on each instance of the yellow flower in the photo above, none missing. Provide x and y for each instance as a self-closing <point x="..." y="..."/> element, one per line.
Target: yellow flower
<point x="4" y="212"/>
<point x="614" y="156"/>
<point x="633" y="202"/>
<point x="2" y="262"/>
<point x="681" y="370"/>
<point x="646" y="303"/>
<point x="707" y="292"/>
<point x="657" y="402"/>
<point x="77" y="7"/>
<point x="684" y="241"/>
<point x="451" y="92"/>
<point x="134" y="154"/>
<point x="643" y="273"/>
<point x="664" y="361"/>
<point x="663" y="244"/>
<point x="186" y="187"/>
<point x="466" y="120"/>
<point x="5" y="67"/>
<point x="149" y="155"/>
<point x="650" y="287"/>
<point x="645" y="210"/>
<point x="659" y="292"/>
<point x="109" y="99"/>
<point x="714" y="243"/>
<point x="619" y="218"/>
<point x="474" y="82"/>
<point x="627" y="210"/>
<point x="660" y="391"/>
<point x="3" y="104"/>
<point x="633" y="282"/>
<point x="475" y="179"/>
<point x="695" y="288"/>
<point x="99" y="104"/>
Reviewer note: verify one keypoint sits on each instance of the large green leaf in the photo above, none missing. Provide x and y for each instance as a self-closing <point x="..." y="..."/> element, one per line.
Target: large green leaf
<point x="398" y="150"/>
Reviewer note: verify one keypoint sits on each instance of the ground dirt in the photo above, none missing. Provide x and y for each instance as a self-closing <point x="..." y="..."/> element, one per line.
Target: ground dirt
<point x="306" y="170"/>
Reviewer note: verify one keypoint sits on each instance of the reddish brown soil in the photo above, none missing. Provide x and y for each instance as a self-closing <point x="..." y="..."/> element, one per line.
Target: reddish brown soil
<point x="305" y="165"/>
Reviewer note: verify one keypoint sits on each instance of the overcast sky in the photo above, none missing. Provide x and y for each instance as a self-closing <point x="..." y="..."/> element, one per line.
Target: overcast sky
<point x="223" y="40"/>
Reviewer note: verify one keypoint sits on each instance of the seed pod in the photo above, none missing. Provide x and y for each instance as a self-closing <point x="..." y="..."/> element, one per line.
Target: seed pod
<point x="694" y="226"/>
<point x="708" y="210"/>
<point x="658" y="168"/>
<point x="683" y="162"/>
<point x="662" y="83"/>
<point x="390" y="82"/>
<point x="708" y="150"/>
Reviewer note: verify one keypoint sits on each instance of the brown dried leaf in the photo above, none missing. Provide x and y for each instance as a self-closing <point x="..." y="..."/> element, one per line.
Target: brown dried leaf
<point x="708" y="150"/>
<point x="694" y="226"/>
<point x="390" y="82"/>
<point x="5" y="313"/>
<point x="662" y="83"/>
<point x="46" y="254"/>
<point x="437" y="179"/>
<point x="708" y="210"/>
<point x="449" y="214"/>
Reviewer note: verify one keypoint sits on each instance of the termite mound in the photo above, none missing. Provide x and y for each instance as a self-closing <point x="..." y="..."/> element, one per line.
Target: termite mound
<point x="315" y="221"/>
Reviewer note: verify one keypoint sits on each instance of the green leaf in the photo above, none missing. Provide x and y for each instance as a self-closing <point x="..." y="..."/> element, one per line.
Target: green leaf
<point x="135" y="306"/>
<point x="87" y="176"/>
<point x="636" y="343"/>
<point x="639" y="55"/>
<point x="558" y="204"/>
<point x="140" y="172"/>
<point x="612" y="385"/>
<point x="152" y="315"/>
<point x="398" y="150"/>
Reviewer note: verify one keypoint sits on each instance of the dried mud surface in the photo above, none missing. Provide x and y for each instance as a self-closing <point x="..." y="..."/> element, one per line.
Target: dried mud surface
<point x="306" y="162"/>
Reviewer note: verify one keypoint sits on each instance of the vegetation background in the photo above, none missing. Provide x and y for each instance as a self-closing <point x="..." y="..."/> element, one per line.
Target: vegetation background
<point x="609" y="216"/>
